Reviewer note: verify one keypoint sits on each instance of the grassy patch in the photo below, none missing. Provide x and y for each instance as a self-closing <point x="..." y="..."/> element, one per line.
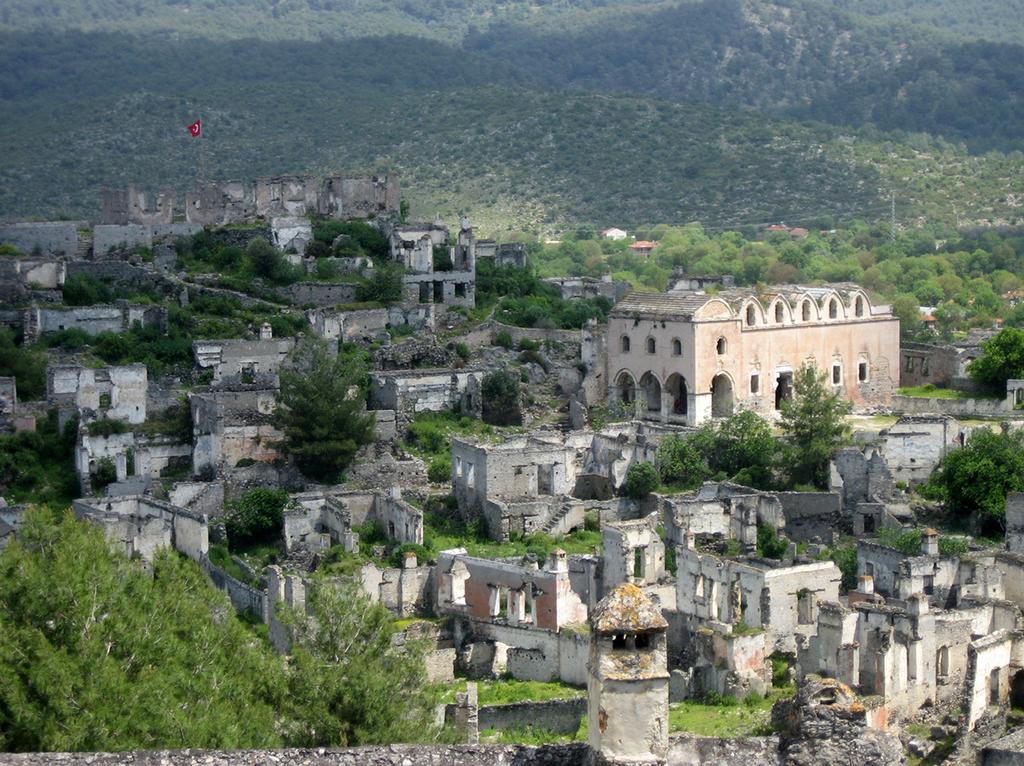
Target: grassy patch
<point x="222" y="559"/>
<point x="506" y="692"/>
<point x="731" y="719"/>
<point x="930" y="391"/>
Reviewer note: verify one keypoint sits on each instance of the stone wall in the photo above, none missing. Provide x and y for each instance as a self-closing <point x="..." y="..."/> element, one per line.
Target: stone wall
<point x="244" y="598"/>
<point x="811" y="516"/>
<point x="319" y="294"/>
<point x="50" y="238"/>
<point x="960" y="408"/>
<point x="558" y="716"/>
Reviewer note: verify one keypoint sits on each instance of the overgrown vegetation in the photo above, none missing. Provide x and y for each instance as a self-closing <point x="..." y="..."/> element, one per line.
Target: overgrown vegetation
<point x="168" y="664"/>
<point x="36" y="466"/>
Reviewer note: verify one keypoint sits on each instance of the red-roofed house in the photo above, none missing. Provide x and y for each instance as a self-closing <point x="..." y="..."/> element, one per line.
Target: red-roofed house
<point x="643" y="247"/>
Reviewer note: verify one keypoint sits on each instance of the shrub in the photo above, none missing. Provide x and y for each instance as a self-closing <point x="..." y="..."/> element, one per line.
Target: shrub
<point x="641" y="480"/>
<point x="952" y="546"/>
<point x="385" y="286"/>
<point x="85" y="290"/>
<point x="268" y="262"/>
<point x="525" y="344"/>
<point x="255" y="517"/>
<point x="500" y="399"/>
<point x="107" y="427"/>
<point x="769" y="544"/>
<point x="106" y="473"/>
<point x="504" y="339"/>
<point x="846" y="559"/>
<point x="440" y="469"/>
<point x="462" y="350"/>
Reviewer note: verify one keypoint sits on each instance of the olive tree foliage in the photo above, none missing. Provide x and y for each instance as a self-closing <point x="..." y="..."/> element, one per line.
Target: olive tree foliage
<point x="352" y="684"/>
<point x="973" y="480"/>
<point x="814" y="424"/>
<point x="321" y="411"/>
<point x="1002" y="358"/>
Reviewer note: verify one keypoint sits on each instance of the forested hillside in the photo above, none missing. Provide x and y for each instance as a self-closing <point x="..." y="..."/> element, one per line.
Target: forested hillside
<point x="518" y="113"/>
<point x="1001" y="20"/>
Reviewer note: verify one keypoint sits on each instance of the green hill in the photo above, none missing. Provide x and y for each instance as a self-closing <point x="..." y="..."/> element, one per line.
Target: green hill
<point x="520" y="114"/>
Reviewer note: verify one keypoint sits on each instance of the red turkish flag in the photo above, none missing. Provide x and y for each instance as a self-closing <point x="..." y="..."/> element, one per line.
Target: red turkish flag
<point x="196" y="129"/>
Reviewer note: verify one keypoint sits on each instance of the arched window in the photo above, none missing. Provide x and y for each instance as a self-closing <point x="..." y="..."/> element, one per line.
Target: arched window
<point x="805" y="311"/>
<point x="858" y="306"/>
<point x="778" y="312"/>
<point x="722" y="346"/>
<point x="625" y="344"/>
<point x="751" y="315"/>
<point x="677" y="347"/>
<point x="651" y="345"/>
<point x="833" y="309"/>
<point x="837" y="373"/>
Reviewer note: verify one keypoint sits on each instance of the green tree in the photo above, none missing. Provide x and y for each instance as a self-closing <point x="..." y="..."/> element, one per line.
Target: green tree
<point x="499" y="394"/>
<point x="1002" y="358"/>
<point x="98" y="654"/>
<point x="349" y="682"/>
<point x="680" y="462"/>
<point x="814" y="425"/>
<point x="641" y="480"/>
<point x="255" y="516"/>
<point x="744" y="448"/>
<point x="321" y="410"/>
<point x="269" y="262"/>
<point x="385" y="286"/>
<point x="27" y="366"/>
<point x="974" y="480"/>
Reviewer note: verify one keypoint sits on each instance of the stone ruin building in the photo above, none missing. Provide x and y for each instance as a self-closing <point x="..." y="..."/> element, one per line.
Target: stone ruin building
<point x="683" y="357"/>
<point x="422" y="249"/>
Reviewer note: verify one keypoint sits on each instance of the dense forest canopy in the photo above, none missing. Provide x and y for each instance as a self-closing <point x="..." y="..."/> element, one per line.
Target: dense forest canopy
<point x="495" y="109"/>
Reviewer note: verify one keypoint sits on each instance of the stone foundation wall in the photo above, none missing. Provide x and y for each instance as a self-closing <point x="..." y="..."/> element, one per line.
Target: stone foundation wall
<point x="575" y="754"/>
<point x="559" y="716"/>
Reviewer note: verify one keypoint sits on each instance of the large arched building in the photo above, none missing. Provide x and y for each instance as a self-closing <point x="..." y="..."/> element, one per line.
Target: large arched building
<point x="684" y="357"/>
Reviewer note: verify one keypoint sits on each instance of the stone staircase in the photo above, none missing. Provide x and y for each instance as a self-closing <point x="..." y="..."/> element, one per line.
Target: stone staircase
<point x="556" y="517"/>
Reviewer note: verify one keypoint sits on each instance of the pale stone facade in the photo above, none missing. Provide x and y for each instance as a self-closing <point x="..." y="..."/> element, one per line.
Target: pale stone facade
<point x="684" y="357"/>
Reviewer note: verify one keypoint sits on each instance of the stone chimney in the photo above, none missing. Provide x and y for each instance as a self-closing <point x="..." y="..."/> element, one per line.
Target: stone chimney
<point x="929" y="542"/>
<point x="409" y="560"/>
<point x="627" y="685"/>
<point x="266" y="331"/>
<point x="557" y="561"/>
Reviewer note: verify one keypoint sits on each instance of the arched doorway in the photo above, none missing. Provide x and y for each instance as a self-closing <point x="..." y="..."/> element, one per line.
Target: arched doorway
<point x="652" y="391"/>
<point x="676" y="387"/>
<point x="721" y="396"/>
<point x="625" y="386"/>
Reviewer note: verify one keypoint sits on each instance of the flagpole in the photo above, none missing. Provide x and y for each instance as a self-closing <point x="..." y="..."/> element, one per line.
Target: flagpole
<point x="202" y="152"/>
